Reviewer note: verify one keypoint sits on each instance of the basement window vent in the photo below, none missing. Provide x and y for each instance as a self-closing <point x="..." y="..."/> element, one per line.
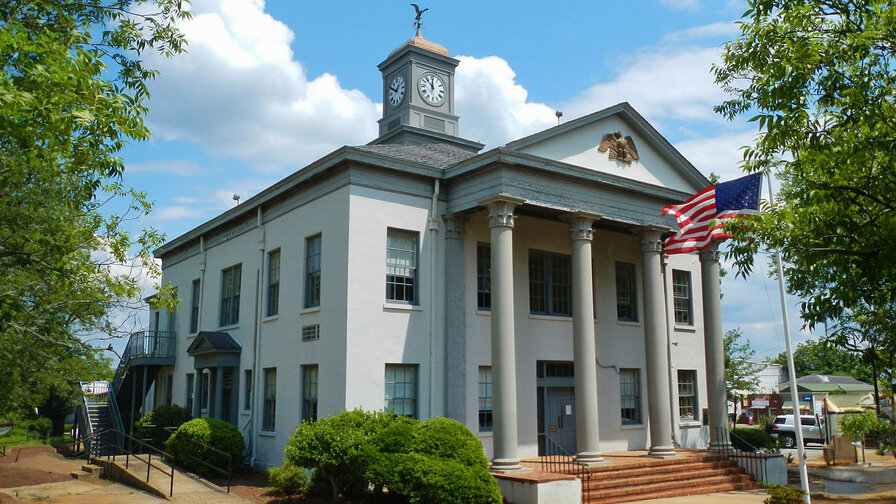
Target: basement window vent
<point x="433" y="123"/>
<point x="311" y="332"/>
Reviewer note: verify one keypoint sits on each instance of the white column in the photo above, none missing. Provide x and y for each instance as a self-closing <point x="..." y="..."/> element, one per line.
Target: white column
<point x="587" y="433"/>
<point x="504" y="416"/>
<point x="658" y="404"/>
<point x="714" y="349"/>
<point x="197" y="392"/>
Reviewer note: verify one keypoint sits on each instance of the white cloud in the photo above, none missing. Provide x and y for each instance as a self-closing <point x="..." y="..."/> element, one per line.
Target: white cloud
<point x="179" y="167"/>
<point x="663" y="84"/>
<point x="713" y="30"/>
<point x="681" y="5"/>
<point x="240" y="93"/>
<point x="720" y="154"/>
<point x="493" y="106"/>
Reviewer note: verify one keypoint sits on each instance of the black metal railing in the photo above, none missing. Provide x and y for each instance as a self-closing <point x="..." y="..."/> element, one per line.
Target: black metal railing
<point x="125" y="446"/>
<point x="145" y="344"/>
<point x="203" y="450"/>
<point x="753" y="460"/>
<point x="558" y="460"/>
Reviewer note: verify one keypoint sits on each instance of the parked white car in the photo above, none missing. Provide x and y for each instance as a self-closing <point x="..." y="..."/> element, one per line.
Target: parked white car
<point x="813" y="430"/>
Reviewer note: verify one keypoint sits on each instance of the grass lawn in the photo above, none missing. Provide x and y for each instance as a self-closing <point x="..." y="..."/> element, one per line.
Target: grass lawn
<point x="19" y="436"/>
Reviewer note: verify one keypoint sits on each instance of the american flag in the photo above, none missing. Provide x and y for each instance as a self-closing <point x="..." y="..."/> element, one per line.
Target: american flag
<point x="700" y="217"/>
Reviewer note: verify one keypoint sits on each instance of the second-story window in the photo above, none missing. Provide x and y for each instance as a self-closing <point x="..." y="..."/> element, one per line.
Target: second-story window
<point x="626" y="307"/>
<point x="401" y="266"/>
<point x="230" y="295"/>
<point x="312" y="271"/>
<point x="273" y="307"/>
<point x="194" y="307"/>
<point x="483" y="276"/>
<point x="549" y="283"/>
<point x="681" y="294"/>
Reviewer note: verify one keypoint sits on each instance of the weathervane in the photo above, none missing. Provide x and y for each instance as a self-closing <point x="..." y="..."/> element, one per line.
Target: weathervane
<point x="417" y="21"/>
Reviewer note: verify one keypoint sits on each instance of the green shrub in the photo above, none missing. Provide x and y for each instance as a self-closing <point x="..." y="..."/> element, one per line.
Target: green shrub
<point x="855" y="427"/>
<point x="449" y="439"/>
<point x="214" y="433"/>
<point x="152" y="426"/>
<point x="758" y="438"/>
<point x="288" y="479"/>
<point x="41" y="426"/>
<point x="781" y="494"/>
<point x="336" y="448"/>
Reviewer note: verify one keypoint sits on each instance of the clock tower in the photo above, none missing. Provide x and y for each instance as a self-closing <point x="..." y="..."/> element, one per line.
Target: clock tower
<point x="418" y="96"/>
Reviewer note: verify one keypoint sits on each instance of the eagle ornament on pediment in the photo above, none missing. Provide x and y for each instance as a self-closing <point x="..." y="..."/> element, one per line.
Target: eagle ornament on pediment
<point x="621" y="149"/>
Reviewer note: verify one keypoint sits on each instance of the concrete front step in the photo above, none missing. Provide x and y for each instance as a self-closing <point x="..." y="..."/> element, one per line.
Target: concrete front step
<point x="637" y="471"/>
<point x="635" y="490"/>
<point x="87" y="472"/>
<point x="648" y="479"/>
<point x="677" y="492"/>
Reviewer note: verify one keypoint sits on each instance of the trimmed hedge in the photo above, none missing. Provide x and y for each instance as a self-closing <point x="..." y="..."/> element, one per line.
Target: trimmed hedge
<point x="288" y="479"/>
<point x="151" y="427"/>
<point x="758" y="438"/>
<point x="217" y="434"/>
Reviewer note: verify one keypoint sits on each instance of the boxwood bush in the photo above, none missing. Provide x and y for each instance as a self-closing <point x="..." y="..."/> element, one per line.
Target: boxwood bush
<point x="151" y="428"/>
<point x="214" y="433"/>
<point x="288" y="479"/>
<point x="758" y="438"/>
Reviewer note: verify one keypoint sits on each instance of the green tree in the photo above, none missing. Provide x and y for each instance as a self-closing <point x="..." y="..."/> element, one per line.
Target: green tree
<point x="58" y="388"/>
<point x="72" y="92"/>
<point x="824" y="357"/>
<point x="818" y="79"/>
<point x="741" y="372"/>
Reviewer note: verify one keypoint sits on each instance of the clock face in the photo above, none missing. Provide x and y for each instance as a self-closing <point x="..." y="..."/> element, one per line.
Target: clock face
<point x="396" y="91"/>
<point x="432" y="89"/>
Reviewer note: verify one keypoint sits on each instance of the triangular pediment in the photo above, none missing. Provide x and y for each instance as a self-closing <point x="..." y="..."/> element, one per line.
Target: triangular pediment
<point x="641" y="153"/>
<point x="213" y="342"/>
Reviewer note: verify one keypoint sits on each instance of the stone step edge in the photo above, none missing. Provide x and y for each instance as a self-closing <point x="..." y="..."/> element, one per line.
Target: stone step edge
<point x="671" y="493"/>
<point x="621" y="472"/>
<point x="664" y="477"/>
<point x="668" y="485"/>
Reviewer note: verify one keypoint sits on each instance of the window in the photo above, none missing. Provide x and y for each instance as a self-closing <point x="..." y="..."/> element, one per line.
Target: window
<point x="191" y="388"/>
<point x="485" y="399"/>
<point x="311" y="332"/>
<point x="626" y="307"/>
<point x="194" y="307"/>
<point x="204" y="382"/>
<point x="273" y="307"/>
<point x="630" y="396"/>
<point x="169" y="389"/>
<point x="309" y="393"/>
<point x="483" y="276"/>
<point x="681" y="296"/>
<point x="230" y="295"/>
<point x="549" y="283"/>
<point x="401" y="389"/>
<point x="312" y="271"/>
<point x="270" y="399"/>
<point x="687" y="394"/>
<point x="247" y="385"/>
<point x="401" y="266"/>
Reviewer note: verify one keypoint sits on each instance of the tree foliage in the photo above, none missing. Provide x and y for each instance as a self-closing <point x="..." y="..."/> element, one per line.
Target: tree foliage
<point x="818" y="79"/>
<point x="72" y="92"/>
<point x="825" y="358"/>
<point x="741" y="372"/>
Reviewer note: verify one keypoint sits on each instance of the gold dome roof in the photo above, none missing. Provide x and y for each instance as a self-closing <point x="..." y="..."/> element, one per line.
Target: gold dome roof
<point x="418" y="41"/>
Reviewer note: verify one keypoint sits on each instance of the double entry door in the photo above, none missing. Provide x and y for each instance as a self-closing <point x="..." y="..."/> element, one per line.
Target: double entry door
<point x="556" y="408"/>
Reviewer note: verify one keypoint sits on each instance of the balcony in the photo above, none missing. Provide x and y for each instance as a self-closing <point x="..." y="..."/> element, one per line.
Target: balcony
<point x="146" y="348"/>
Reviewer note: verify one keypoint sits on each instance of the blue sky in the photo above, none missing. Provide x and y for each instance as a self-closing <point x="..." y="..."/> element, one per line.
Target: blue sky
<point x="268" y="87"/>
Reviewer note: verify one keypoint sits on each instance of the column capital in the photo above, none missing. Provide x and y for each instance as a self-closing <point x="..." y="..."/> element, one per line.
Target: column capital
<point x="710" y="254"/>
<point x="581" y="225"/>
<point x="651" y="238"/>
<point x="454" y="226"/>
<point x="500" y="209"/>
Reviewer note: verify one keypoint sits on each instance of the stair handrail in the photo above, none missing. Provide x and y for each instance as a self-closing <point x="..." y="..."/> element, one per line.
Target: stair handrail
<point x="113" y="411"/>
<point x="161" y="454"/>
<point x="161" y="343"/>
<point x="558" y="460"/>
<point x="751" y="461"/>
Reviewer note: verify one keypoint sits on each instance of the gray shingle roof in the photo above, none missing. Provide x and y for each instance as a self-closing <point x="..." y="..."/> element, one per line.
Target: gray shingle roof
<point x="219" y="341"/>
<point x="438" y="155"/>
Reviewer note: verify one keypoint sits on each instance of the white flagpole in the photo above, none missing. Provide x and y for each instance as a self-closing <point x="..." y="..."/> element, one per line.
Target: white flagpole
<point x="794" y="395"/>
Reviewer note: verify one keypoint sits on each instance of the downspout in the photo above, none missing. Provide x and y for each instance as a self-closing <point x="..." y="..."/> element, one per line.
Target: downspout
<point x="675" y="431"/>
<point x="256" y="330"/>
<point x="202" y="257"/>
<point x="433" y="257"/>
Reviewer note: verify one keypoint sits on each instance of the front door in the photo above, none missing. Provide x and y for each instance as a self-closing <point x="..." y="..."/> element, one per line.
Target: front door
<point x="556" y="408"/>
<point x="560" y="418"/>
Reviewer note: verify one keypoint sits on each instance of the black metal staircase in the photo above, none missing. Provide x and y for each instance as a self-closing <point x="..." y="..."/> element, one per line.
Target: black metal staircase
<point x="98" y="419"/>
<point x="144" y="354"/>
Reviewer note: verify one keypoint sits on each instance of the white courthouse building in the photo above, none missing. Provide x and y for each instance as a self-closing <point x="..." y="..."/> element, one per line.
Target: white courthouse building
<point x="520" y="290"/>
